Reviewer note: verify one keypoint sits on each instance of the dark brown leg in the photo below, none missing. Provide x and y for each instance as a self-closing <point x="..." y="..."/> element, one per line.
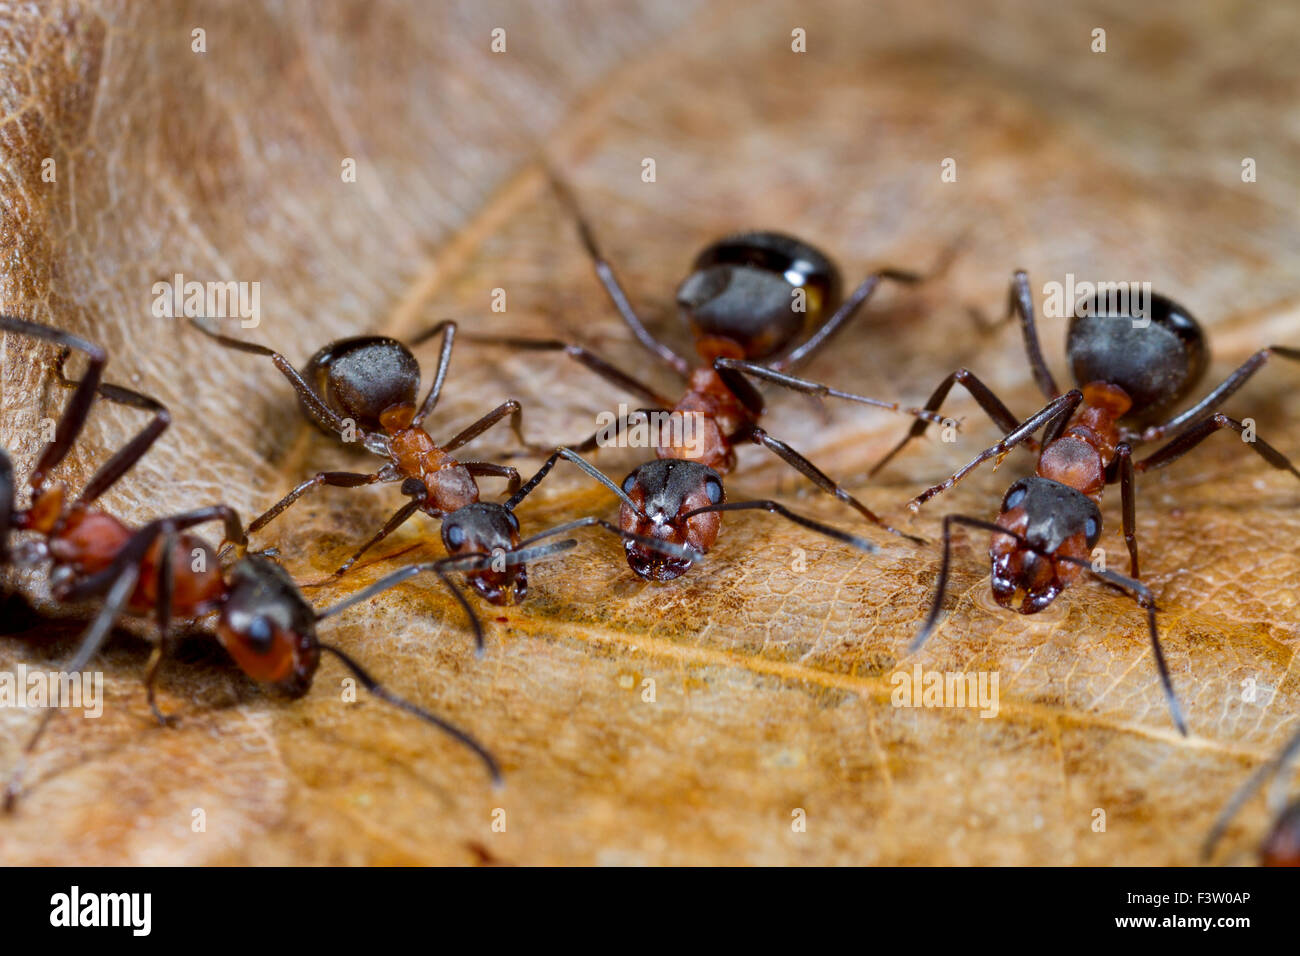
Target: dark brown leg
<point x="319" y="411"/>
<point x="989" y="402"/>
<point x="164" y="612"/>
<point x="810" y="471"/>
<point x="605" y="273"/>
<point x="1049" y="418"/>
<point x="847" y="310"/>
<point x="487" y="469"/>
<point x="126" y="456"/>
<point x="448" y="330"/>
<point x="1203" y="430"/>
<point x="1221" y="394"/>
<point x="335" y="479"/>
<point x="75" y="412"/>
<point x="1128" y="502"/>
<point x="510" y="408"/>
<point x="1020" y="299"/>
<point x="6" y="505"/>
<point x="399" y="518"/>
<point x="611" y="374"/>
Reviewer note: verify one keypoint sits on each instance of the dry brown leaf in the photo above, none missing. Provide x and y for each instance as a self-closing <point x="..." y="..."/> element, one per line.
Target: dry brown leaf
<point x="772" y="686"/>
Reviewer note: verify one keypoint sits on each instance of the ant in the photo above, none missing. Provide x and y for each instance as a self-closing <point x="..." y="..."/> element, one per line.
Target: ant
<point x="1127" y="367"/>
<point x="263" y="622"/>
<point x="740" y="301"/>
<point x="370" y="383"/>
<point x="1281" y="845"/>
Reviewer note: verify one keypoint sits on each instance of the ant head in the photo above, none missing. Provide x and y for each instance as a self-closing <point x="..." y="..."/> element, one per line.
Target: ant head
<point x="663" y="490"/>
<point x="362" y="378"/>
<point x="486" y="528"/>
<point x="267" y="627"/>
<point x="1056" y="520"/>
<point x="1155" y="353"/>
<point x="1282" y="845"/>
<point x="742" y="290"/>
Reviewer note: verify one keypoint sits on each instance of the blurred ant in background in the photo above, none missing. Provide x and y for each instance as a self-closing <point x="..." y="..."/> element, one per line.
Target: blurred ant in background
<point x="1281" y="845"/>
<point x="1127" y="368"/>
<point x="741" y="301"/>
<point x="160" y="568"/>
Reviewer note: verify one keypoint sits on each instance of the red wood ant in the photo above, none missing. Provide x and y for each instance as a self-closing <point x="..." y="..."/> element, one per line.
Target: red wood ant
<point x="738" y="301"/>
<point x="1281" y="845"/>
<point x="370" y="384"/>
<point x="1127" y="368"/>
<point x="160" y="568"/>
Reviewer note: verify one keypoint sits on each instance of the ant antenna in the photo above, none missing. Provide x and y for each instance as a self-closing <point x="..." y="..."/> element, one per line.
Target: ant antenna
<point x="385" y="694"/>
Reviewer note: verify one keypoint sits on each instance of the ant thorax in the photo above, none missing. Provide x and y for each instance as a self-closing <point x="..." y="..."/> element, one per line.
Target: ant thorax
<point x="450" y="485"/>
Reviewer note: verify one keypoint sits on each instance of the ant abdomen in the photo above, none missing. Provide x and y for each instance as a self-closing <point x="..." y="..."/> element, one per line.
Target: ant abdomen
<point x="1155" y="358"/>
<point x="362" y="378"/>
<point x="743" y="289"/>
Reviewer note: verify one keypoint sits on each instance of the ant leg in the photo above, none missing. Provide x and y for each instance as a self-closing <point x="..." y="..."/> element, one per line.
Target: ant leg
<point x="773" y="507"/>
<point x="511" y="408"/>
<point x="1128" y="502"/>
<point x="605" y="273"/>
<point x="821" y="391"/>
<point x="1223" y="392"/>
<point x="1203" y="430"/>
<point x="989" y="402"/>
<point x="487" y="469"/>
<point x="615" y="376"/>
<point x="591" y="470"/>
<point x="413" y="487"/>
<point x="448" y="330"/>
<point x="335" y="479"/>
<point x="1270" y="768"/>
<point x="847" y="310"/>
<point x="319" y="411"/>
<point x="810" y="471"/>
<point x="6" y="505"/>
<point x="75" y="413"/>
<point x="1020" y="300"/>
<point x="164" y="610"/>
<point x="124" y="459"/>
<point x="1051" y="418"/>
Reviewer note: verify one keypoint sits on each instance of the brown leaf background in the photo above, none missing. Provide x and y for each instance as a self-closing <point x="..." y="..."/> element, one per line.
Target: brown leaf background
<point x="773" y="687"/>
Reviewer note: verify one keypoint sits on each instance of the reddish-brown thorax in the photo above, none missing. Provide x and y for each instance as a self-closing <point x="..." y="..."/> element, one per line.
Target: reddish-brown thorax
<point x="709" y="416"/>
<point x="1080" y="457"/>
<point x="450" y="485"/>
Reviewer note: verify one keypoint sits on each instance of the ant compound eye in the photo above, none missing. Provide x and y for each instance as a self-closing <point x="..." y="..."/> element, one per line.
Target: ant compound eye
<point x="713" y="488"/>
<point x="1013" y="498"/>
<point x="1091" y="531"/>
<point x="629" y="483"/>
<point x="455" y="535"/>
<point x="514" y="522"/>
<point x="260" y="634"/>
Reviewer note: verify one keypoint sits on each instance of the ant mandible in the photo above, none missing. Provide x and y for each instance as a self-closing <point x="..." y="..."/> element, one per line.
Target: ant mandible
<point x="371" y="383"/>
<point x="739" y="303"/>
<point x="1281" y="845"/>
<point x="263" y="622"/>
<point x="1127" y="367"/>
